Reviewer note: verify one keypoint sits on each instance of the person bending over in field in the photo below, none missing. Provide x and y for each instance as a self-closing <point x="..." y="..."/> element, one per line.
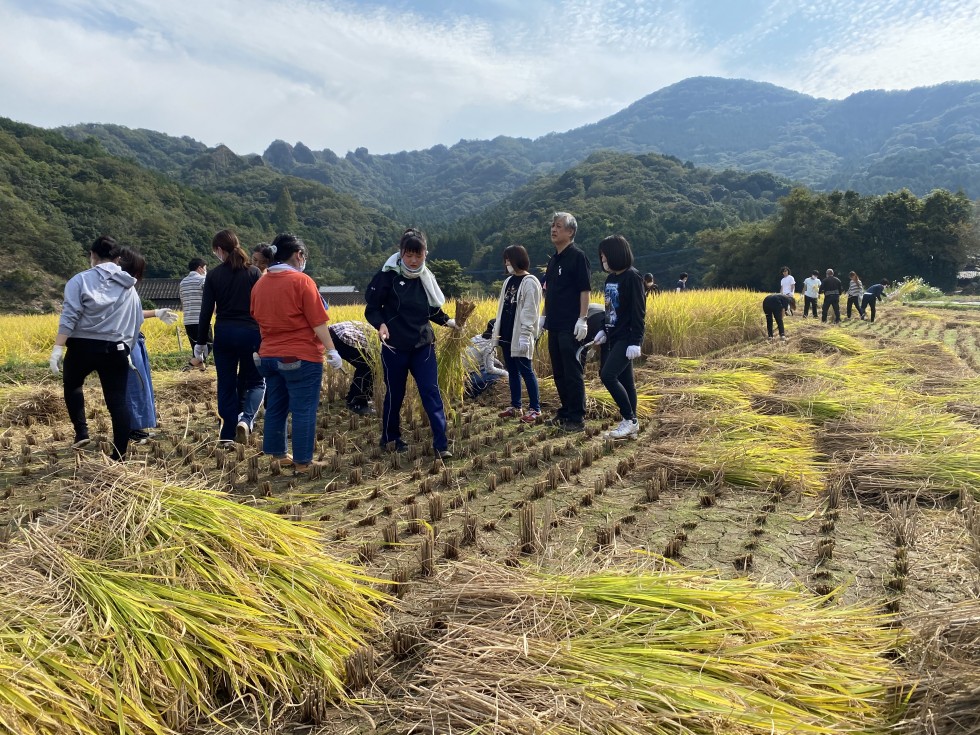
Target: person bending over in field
<point x="100" y="319"/>
<point x="350" y="339"/>
<point x="774" y="306"/>
<point x="516" y="330"/>
<point x="622" y="332"/>
<point x="873" y="294"/>
<point x="402" y="298"/>
<point x="481" y="358"/>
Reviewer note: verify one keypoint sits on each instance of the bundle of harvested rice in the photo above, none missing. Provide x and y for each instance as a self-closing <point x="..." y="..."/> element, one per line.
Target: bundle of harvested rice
<point x="832" y="340"/>
<point x="451" y="350"/>
<point x="646" y="652"/>
<point x="182" y="389"/>
<point x="182" y="601"/>
<point x="24" y="405"/>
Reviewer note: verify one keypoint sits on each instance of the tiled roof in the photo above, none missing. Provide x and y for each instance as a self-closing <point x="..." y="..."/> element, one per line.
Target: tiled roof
<point x="154" y="289"/>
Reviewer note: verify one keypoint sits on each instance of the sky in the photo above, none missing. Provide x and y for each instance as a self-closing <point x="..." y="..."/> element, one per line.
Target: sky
<point x="409" y="74"/>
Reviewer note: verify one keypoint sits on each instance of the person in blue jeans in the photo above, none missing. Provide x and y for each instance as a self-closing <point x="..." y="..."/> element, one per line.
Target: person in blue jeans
<point x="287" y="305"/>
<point x="622" y="334"/>
<point x="517" y="329"/>
<point x="481" y="358"/>
<point x="402" y="298"/>
<point x="228" y="292"/>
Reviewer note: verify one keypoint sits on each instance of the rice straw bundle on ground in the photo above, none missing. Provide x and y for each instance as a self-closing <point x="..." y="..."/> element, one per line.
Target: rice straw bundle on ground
<point x="186" y="601"/>
<point x="832" y="340"/>
<point x="27" y="404"/>
<point x="646" y="652"/>
<point x="947" y="700"/>
<point x="926" y="478"/>
<point x="180" y="389"/>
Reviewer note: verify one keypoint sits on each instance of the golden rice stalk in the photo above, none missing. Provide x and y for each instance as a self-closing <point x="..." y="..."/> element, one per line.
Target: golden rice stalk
<point x="182" y="598"/>
<point x="833" y="340"/>
<point x="641" y="652"/>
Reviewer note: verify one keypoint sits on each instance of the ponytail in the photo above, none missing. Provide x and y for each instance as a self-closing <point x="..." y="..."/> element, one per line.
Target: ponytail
<point x="227" y="241"/>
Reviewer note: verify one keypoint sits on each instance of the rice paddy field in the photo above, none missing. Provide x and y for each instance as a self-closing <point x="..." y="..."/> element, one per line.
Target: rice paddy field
<point x="792" y="545"/>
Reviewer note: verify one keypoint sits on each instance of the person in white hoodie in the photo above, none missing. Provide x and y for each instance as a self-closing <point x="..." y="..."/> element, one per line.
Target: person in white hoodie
<point x="100" y="321"/>
<point x="517" y="329"/>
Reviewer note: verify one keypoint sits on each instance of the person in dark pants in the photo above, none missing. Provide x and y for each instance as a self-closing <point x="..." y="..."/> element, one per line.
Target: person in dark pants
<point x="566" y="304"/>
<point x="402" y="298"/>
<point x="855" y="294"/>
<point x="100" y="319"/>
<point x="831" y="288"/>
<point x="774" y="306"/>
<point x="191" y="292"/>
<point x="811" y="292"/>
<point x="874" y="294"/>
<point x="350" y="340"/>
<point x="622" y="334"/>
<point x="228" y="291"/>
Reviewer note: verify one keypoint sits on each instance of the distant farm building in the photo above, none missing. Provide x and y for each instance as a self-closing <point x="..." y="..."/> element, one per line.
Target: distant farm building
<point x="162" y="292"/>
<point x="341" y="295"/>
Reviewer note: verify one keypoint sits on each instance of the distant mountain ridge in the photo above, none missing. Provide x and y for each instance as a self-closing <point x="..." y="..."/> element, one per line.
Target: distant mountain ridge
<point x="871" y="142"/>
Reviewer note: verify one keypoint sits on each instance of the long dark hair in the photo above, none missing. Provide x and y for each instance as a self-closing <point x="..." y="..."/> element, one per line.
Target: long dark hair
<point x="227" y="241"/>
<point x="132" y="262"/>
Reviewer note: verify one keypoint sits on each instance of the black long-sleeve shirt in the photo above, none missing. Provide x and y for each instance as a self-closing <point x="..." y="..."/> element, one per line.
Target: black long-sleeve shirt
<point x="626" y="307"/>
<point x="401" y="304"/>
<point x="229" y="292"/>
<point x="831" y="286"/>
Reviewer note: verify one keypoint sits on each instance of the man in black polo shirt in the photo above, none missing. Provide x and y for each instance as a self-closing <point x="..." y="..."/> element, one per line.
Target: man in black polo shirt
<point x="566" y="304"/>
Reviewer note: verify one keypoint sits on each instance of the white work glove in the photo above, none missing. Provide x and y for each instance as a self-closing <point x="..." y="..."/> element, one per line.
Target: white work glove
<point x="55" y="361"/>
<point x="333" y="359"/>
<point x="451" y="324"/>
<point x="600" y="337"/>
<point x="201" y="352"/>
<point x="541" y="324"/>
<point x="523" y="343"/>
<point x="581" y="329"/>
<point x="632" y="352"/>
<point x="167" y="316"/>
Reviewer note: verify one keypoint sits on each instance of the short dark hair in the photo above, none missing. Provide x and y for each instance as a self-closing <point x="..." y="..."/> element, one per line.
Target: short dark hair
<point x="885" y="282"/>
<point x="648" y="277"/>
<point x="132" y="262"/>
<point x="265" y="250"/>
<point x="815" y="273"/>
<point x="105" y="247"/>
<point x="195" y="263"/>
<point x="619" y="254"/>
<point x="285" y="246"/>
<point x="518" y="257"/>
<point x="683" y="275"/>
<point x="413" y="240"/>
<point x="786" y="270"/>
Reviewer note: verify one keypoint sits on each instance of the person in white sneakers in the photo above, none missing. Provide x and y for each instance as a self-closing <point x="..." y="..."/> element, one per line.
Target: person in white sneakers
<point x="622" y="332"/>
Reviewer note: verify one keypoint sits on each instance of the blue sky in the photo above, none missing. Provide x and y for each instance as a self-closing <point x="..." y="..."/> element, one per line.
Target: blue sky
<point x="408" y="74"/>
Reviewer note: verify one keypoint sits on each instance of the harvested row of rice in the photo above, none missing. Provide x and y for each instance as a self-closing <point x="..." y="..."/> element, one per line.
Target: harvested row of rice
<point x="646" y="652"/>
<point x="172" y="602"/>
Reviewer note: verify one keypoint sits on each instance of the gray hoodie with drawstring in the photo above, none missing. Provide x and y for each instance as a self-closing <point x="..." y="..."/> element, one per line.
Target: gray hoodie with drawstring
<point x="102" y="304"/>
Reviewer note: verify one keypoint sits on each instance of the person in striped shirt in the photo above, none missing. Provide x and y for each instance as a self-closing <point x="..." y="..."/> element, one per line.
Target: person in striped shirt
<point x="191" y="290"/>
<point x="350" y="340"/>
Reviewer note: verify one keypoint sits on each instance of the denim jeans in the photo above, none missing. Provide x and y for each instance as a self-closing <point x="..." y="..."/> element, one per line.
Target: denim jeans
<point x="478" y="382"/>
<point x="518" y="368"/>
<point x="240" y="387"/>
<point x="616" y="374"/>
<point x="294" y="388"/>
<point x="421" y="363"/>
<point x="568" y="374"/>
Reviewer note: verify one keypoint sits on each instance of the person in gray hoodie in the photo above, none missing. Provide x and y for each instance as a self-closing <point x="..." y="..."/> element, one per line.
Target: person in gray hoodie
<point x="100" y="321"/>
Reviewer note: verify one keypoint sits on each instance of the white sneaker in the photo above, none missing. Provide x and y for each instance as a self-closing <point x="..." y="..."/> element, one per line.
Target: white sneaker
<point x="241" y="432"/>
<point x="627" y="428"/>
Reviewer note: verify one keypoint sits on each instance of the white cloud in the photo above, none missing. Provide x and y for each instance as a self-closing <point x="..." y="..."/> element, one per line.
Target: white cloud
<point x="245" y="72"/>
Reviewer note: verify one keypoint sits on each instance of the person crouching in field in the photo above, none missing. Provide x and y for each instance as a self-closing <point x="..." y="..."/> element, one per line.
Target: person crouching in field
<point x="873" y="294"/>
<point x="774" y="306"/>
<point x="100" y="319"/>
<point x="622" y="332"/>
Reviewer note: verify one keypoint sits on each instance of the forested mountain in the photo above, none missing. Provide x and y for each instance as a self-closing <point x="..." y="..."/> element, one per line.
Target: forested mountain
<point x="659" y="202"/>
<point x="870" y="142"/>
<point x="57" y="195"/>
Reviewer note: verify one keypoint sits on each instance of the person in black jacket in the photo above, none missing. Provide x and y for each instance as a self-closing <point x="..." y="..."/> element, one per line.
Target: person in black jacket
<point x="622" y="334"/>
<point x="567" y="287"/>
<point x="228" y="292"/>
<point x="774" y="306"/>
<point x="831" y="288"/>
<point x="874" y="294"/>
<point x="402" y="298"/>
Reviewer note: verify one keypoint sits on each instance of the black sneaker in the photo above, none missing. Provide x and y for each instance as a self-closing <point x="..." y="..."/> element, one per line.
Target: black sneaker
<point x="138" y="436"/>
<point x="444" y="454"/>
<point x="396" y="446"/>
<point x="80" y="442"/>
<point x="554" y="421"/>
<point x="362" y="410"/>
<point x="571" y="427"/>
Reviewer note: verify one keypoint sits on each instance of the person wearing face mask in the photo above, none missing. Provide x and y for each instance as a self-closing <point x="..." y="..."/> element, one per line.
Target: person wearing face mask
<point x="622" y="334"/>
<point x="402" y="298"/>
<point x="293" y="321"/>
<point x="100" y="319"/>
<point x="516" y="331"/>
<point x="228" y="292"/>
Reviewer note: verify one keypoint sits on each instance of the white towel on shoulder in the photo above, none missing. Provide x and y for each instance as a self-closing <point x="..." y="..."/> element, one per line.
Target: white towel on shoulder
<point x="432" y="291"/>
